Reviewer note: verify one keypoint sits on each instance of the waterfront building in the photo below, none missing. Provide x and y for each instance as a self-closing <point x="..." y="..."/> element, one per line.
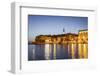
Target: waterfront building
<point x="83" y="36"/>
<point x="61" y="38"/>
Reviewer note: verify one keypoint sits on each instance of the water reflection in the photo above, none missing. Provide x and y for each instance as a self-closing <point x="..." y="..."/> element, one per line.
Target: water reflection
<point x="57" y="51"/>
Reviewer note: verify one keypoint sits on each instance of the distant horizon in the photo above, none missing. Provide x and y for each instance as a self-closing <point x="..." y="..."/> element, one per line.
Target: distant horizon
<point x="54" y="25"/>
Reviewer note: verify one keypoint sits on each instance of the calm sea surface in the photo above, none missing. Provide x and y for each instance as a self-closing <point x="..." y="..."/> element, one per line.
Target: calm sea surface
<point x="57" y="51"/>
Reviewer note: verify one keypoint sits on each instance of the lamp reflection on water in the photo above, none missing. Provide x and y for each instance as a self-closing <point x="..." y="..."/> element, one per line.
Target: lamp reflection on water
<point x="80" y="50"/>
<point x="83" y="50"/>
<point x="73" y="50"/>
<point x="54" y="52"/>
<point x="47" y="51"/>
<point x="58" y="51"/>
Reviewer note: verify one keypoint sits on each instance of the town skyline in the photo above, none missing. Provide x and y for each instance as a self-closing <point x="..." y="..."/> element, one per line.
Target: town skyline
<point x="54" y="25"/>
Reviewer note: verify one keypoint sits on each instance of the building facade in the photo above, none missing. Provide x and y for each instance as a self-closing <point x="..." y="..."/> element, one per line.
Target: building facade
<point x="81" y="37"/>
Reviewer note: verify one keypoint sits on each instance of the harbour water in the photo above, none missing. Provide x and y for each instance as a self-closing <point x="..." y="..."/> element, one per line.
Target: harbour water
<point x="57" y="51"/>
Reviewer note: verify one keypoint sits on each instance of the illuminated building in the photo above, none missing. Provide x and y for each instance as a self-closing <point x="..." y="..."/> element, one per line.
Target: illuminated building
<point x="83" y="36"/>
<point x="62" y="38"/>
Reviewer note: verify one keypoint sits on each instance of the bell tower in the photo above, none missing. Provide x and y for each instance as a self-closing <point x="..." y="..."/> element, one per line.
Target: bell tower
<point x="64" y="30"/>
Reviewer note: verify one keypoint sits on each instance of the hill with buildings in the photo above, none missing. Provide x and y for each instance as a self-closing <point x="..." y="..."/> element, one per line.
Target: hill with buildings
<point x="81" y="37"/>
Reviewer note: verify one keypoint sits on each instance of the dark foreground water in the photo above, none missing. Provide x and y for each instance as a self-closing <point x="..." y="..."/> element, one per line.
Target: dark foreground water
<point x="57" y="51"/>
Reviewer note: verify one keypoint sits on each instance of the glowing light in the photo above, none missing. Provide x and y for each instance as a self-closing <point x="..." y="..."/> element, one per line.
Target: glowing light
<point x="85" y="51"/>
<point x="80" y="50"/>
<point x="54" y="53"/>
<point x="47" y="51"/>
<point x="73" y="51"/>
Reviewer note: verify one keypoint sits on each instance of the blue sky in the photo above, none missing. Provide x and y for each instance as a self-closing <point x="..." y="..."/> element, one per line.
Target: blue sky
<point x="44" y="25"/>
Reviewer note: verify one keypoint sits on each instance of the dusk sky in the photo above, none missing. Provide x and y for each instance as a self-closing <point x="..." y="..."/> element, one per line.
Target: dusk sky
<point x="44" y="25"/>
